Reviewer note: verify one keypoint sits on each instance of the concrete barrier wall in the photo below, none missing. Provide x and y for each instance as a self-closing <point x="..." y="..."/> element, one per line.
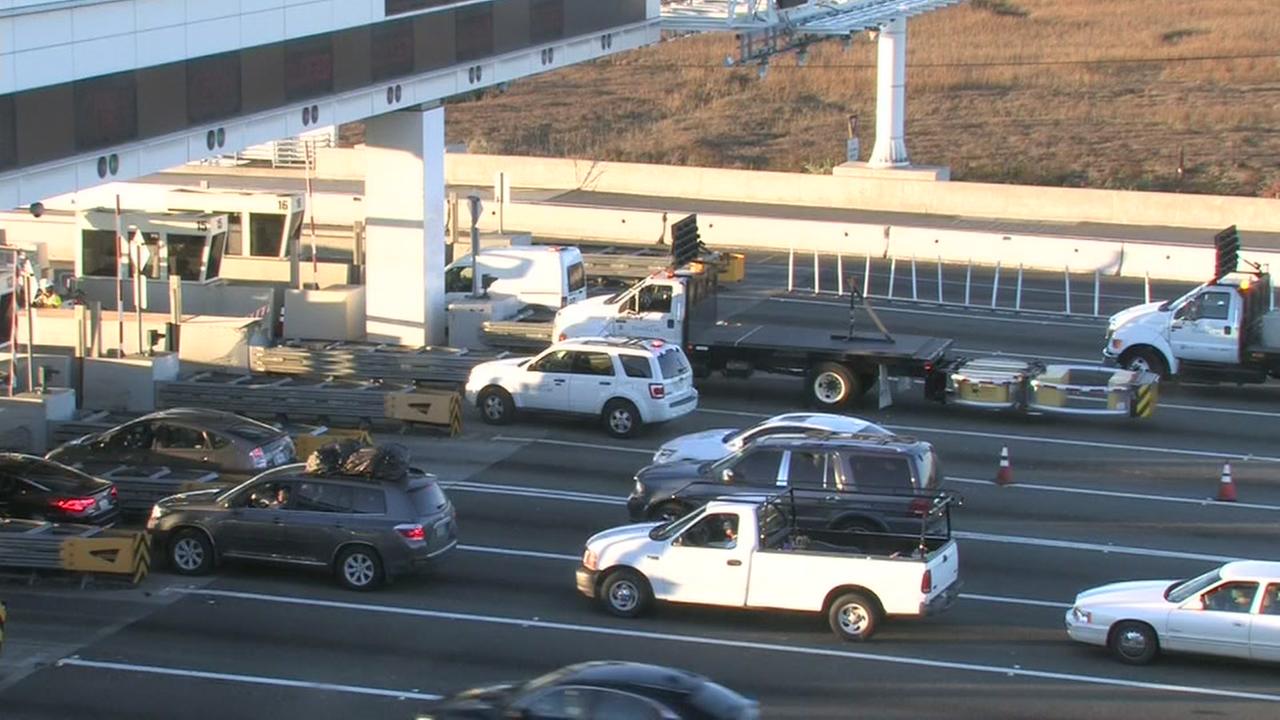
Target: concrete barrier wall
<point x="945" y="198"/>
<point x="206" y="343"/>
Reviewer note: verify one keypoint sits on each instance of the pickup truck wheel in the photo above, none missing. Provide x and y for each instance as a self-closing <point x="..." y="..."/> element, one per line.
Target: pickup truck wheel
<point x="621" y="419"/>
<point x="1134" y="643"/>
<point x="832" y="386"/>
<point x="496" y="406"/>
<point x="854" y="617"/>
<point x="625" y="593"/>
<point x="1145" y="359"/>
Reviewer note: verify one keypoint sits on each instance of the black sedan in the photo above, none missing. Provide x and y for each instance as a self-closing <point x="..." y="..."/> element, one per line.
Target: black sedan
<point x="602" y="690"/>
<point x="196" y="438"/>
<point x="35" y="488"/>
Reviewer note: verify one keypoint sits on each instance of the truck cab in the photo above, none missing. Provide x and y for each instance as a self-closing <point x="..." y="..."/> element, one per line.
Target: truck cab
<point x="653" y="309"/>
<point x="1223" y="330"/>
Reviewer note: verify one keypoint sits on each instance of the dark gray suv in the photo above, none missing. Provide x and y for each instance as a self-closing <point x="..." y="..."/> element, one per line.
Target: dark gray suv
<point x="364" y="529"/>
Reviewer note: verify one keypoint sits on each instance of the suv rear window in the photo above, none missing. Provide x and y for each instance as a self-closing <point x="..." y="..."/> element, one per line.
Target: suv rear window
<point x="427" y="498"/>
<point x="672" y="363"/>
<point x="577" y="277"/>
<point x="886" y="473"/>
<point x="636" y="366"/>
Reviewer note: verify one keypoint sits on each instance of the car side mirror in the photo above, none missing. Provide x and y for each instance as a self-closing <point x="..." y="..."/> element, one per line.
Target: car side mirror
<point x="728" y="475"/>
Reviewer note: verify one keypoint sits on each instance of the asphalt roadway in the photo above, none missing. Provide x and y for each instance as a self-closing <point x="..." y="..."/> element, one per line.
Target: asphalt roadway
<point x="1094" y="501"/>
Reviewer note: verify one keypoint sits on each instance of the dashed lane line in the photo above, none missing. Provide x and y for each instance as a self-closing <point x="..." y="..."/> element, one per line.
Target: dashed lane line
<point x="706" y="641"/>
<point x="76" y="661"/>
<point x="551" y="494"/>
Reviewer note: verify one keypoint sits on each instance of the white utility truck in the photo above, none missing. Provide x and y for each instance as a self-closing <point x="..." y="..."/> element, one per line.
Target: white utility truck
<point x="549" y="276"/>
<point x="753" y="553"/>
<point x="1226" y="330"/>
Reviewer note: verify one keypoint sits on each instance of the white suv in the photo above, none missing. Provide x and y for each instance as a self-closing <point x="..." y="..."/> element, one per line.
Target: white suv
<point x="626" y="382"/>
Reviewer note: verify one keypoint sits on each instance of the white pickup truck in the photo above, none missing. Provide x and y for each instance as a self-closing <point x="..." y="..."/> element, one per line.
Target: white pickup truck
<point x="749" y="553"/>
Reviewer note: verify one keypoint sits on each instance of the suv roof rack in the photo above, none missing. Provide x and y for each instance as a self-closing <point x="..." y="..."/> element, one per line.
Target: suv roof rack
<point x="859" y="437"/>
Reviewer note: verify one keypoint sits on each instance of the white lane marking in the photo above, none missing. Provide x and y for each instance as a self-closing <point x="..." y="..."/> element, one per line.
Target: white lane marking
<point x="1045" y="440"/>
<point x="530" y="492"/>
<point x="551" y="494"/>
<point x="685" y="639"/>
<point x="1117" y="493"/>
<point x="1096" y="547"/>
<point x="1222" y="410"/>
<point x="1088" y="324"/>
<point x="577" y="558"/>
<point x="568" y="443"/>
<point x="74" y="661"/>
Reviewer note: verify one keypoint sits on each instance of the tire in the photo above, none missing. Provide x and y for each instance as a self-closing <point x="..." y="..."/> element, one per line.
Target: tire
<point x="1133" y="643"/>
<point x="358" y="568"/>
<point x="625" y="593"/>
<point x="1145" y="358"/>
<point x="669" y="510"/>
<point x="854" y="617"/>
<point x="621" y="419"/>
<point x="832" y="386"/>
<point x="190" y="553"/>
<point x="496" y="406"/>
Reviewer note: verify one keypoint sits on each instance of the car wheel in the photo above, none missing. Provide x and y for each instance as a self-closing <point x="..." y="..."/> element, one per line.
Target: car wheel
<point x="854" y="617"/>
<point x="668" y="511"/>
<point x="191" y="553"/>
<point x="359" y="568"/>
<point x="1145" y="359"/>
<point x="496" y="406"/>
<point x="625" y="593"/>
<point x="832" y="386"/>
<point x="621" y="419"/>
<point x="1134" y="643"/>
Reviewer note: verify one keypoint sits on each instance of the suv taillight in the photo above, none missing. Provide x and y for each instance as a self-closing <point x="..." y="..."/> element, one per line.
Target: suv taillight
<point x="73" y="505"/>
<point x="920" y="506"/>
<point x="412" y="531"/>
<point x="926" y="582"/>
<point x="657" y="391"/>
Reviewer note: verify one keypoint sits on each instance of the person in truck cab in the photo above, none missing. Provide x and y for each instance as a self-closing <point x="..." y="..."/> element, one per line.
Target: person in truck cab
<point x="726" y="535"/>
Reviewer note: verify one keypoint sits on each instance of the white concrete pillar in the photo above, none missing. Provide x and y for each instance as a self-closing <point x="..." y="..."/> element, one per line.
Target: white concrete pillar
<point x="404" y="228"/>
<point x="890" y="149"/>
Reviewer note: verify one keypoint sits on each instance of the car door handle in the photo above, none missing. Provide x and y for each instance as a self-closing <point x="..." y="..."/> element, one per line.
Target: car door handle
<point x="652" y="557"/>
<point x="734" y="563"/>
<point x="558" y="382"/>
<point x="605" y="382"/>
<point x="1226" y="330"/>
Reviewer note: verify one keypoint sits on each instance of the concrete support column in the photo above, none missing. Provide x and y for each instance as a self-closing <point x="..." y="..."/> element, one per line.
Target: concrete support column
<point x="890" y="149"/>
<point x="404" y="231"/>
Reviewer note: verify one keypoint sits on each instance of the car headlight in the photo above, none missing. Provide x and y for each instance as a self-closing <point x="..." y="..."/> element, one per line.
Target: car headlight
<point x="590" y="560"/>
<point x="1081" y="615"/>
<point x="638" y="489"/>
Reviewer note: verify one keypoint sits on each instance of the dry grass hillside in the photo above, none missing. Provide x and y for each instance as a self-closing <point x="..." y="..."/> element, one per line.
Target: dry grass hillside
<point x="1097" y="93"/>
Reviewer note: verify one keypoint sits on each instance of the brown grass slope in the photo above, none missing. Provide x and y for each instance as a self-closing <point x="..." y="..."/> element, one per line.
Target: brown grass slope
<point x="1093" y="93"/>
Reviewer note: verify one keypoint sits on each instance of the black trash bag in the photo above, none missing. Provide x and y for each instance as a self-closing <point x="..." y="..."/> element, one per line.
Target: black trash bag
<point x="389" y="462"/>
<point x="330" y="458"/>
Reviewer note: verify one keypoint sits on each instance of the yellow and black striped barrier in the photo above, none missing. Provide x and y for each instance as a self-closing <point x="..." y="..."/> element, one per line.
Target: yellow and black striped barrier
<point x="428" y="406"/>
<point x="114" y="552"/>
<point x="1145" y="399"/>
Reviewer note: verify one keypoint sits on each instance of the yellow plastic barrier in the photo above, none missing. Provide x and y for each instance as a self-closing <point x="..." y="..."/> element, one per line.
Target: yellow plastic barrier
<point x="424" y="406"/>
<point x="304" y="445"/>
<point x="735" y="268"/>
<point x="117" y="553"/>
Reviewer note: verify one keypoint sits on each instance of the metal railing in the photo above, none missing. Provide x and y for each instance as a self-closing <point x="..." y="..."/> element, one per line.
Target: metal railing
<point x="903" y="278"/>
<point x="296" y="152"/>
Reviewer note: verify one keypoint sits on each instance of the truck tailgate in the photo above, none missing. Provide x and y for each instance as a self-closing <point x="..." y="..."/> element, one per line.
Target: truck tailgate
<point x="944" y="566"/>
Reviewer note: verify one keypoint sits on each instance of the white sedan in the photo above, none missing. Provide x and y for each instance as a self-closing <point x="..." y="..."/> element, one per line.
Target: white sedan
<point x="722" y="442"/>
<point x="1233" y="610"/>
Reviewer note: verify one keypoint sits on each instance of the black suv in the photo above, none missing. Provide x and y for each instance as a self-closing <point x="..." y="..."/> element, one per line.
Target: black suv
<point x="893" y="478"/>
<point x="364" y="529"/>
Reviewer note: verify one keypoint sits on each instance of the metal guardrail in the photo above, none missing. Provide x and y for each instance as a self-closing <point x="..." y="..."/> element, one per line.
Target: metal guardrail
<point x="368" y="361"/>
<point x="27" y="544"/>
<point x="516" y="335"/>
<point x="34" y="545"/>
<point x="141" y="486"/>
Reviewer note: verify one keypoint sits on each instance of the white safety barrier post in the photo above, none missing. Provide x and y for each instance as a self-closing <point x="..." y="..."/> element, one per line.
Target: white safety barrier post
<point x="791" y="269"/>
<point x="840" y="274"/>
<point x="939" y="279"/>
<point x="1066" y="279"/>
<point x="866" y="278"/>
<point x="893" y="273"/>
<point x="995" y="284"/>
<point x="968" y="280"/>
<point x="1146" y="287"/>
<point x="816" y="273"/>
<point x="1017" y="298"/>
<point x="1097" y="288"/>
<point x="914" y="294"/>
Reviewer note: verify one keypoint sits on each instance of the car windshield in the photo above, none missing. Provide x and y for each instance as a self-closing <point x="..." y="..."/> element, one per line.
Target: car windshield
<point x="1181" y="300"/>
<point x="671" y="529"/>
<point x="1186" y="589"/>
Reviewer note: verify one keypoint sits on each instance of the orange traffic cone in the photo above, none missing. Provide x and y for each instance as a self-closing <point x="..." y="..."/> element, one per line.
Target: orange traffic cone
<point x="1004" y="476"/>
<point x="1226" y="486"/>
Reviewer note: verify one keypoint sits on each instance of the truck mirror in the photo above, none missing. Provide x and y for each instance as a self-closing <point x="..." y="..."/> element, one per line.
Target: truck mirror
<point x="727" y="475"/>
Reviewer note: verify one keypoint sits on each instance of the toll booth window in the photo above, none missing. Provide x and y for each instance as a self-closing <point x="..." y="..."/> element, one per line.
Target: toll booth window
<point x="266" y="234"/>
<point x="186" y="255"/>
<point x="152" y="267"/>
<point x="217" y="247"/>
<point x="1215" y="305"/>
<point x="98" y="253"/>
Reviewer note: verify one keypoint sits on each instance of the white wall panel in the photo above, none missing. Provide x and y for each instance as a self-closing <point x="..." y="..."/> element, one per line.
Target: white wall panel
<point x="89" y="22"/>
<point x="262" y="28"/>
<point x="41" y="30"/>
<point x="308" y="19"/>
<point x="162" y="45"/>
<point x="103" y="56"/>
<point x="210" y="37"/>
<point x="43" y="66"/>
<point x="150" y="14"/>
